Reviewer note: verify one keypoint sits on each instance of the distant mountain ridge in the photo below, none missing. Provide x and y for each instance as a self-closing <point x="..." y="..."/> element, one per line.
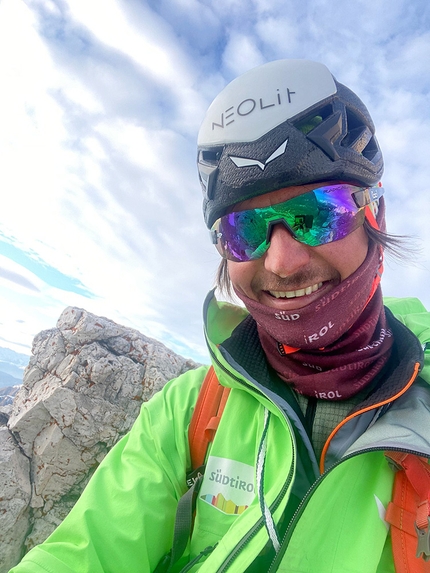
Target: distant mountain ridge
<point x="7" y="396"/>
<point x="17" y="358"/>
<point x="12" y="366"/>
<point x="7" y="379"/>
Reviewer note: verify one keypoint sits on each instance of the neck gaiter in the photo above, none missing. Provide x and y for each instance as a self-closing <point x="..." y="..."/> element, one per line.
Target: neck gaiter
<point x="335" y="346"/>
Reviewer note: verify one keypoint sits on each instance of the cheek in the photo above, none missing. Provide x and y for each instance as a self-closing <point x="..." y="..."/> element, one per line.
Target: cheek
<point x="242" y="274"/>
<point x="349" y="253"/>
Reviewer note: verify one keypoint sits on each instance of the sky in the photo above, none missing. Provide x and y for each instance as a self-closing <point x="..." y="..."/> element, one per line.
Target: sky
<point x="101" y="102"/>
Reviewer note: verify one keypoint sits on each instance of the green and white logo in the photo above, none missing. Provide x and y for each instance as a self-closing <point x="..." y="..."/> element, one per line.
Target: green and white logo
<point x="228" y="485"/>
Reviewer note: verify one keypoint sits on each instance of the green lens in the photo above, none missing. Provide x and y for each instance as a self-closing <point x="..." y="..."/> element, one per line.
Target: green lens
<point x="315" y="218"/>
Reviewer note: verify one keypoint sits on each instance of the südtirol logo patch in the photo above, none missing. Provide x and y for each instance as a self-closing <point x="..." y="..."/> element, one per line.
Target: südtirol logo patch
<point x="228" y="485"/>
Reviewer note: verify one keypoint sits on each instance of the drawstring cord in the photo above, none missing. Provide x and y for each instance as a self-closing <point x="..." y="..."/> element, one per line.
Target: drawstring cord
<point x="265" y="511"/>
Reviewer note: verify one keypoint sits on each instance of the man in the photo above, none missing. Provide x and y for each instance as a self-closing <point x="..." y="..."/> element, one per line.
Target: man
<point x="324" y="379"/>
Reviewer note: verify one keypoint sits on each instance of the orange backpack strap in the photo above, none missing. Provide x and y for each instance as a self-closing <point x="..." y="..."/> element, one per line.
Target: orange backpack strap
<point x="206" y="416"/>
<point x="204" y="423"/>
<point x="409" y="513"/>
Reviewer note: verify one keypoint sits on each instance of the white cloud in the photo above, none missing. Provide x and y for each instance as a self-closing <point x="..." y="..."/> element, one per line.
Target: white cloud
<point x="100" y="111"/>
<point x="115" y="29"/>
<point x="241" y="54"/>
<point x="280" y="34"/>
<point x="148" y="41"/>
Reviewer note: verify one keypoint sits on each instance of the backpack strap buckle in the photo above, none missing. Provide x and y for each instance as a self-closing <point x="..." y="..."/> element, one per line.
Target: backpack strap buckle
<point x="423" y="535"/>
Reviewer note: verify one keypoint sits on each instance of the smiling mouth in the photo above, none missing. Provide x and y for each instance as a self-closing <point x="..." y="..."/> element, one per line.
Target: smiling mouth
<point x="295" y="293"/>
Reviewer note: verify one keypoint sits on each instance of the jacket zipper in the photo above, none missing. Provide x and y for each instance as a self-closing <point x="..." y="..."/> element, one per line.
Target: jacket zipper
<point x="256" y="527"/>
<point x="258" y="524"/>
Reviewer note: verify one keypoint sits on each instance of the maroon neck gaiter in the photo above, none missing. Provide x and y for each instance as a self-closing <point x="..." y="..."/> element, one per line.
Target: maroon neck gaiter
<point x="342" y="340"/>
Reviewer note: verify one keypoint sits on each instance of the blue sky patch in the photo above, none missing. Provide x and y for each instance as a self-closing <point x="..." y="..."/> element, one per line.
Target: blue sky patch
<point x="50" y="275"/>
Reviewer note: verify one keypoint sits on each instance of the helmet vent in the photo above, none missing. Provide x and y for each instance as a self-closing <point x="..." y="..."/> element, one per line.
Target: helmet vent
<point x="210" y="156"/>
<point x="371" y="149"/>
<point x="311" y="121"/>
<point x="359" y="137"/>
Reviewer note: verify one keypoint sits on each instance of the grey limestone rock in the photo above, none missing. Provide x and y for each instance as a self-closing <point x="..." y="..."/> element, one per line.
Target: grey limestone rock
<point x="81" y="393"/>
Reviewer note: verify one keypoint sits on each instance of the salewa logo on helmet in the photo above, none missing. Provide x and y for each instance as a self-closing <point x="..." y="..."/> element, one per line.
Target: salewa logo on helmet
<point x="247" y="162"/>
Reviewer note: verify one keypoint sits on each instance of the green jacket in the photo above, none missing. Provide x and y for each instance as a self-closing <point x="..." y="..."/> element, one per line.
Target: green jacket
<point x="260" y="466"/>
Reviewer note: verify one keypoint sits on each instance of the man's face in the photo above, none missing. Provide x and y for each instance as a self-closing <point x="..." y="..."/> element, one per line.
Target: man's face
<point x="290" y="275"/>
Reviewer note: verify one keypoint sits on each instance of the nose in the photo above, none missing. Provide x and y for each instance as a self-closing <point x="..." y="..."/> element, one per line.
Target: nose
<point x="285" y="256"/>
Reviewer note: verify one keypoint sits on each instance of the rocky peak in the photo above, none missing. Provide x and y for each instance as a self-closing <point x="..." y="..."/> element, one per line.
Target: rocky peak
<point x="81" y="392"/>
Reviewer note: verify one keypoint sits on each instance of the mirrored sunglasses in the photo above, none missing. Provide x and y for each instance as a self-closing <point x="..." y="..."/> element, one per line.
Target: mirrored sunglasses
<point x="318" y="217"/>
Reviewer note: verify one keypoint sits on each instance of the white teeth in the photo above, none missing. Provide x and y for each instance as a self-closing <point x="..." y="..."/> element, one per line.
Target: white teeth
<point x="296" y="293"/>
